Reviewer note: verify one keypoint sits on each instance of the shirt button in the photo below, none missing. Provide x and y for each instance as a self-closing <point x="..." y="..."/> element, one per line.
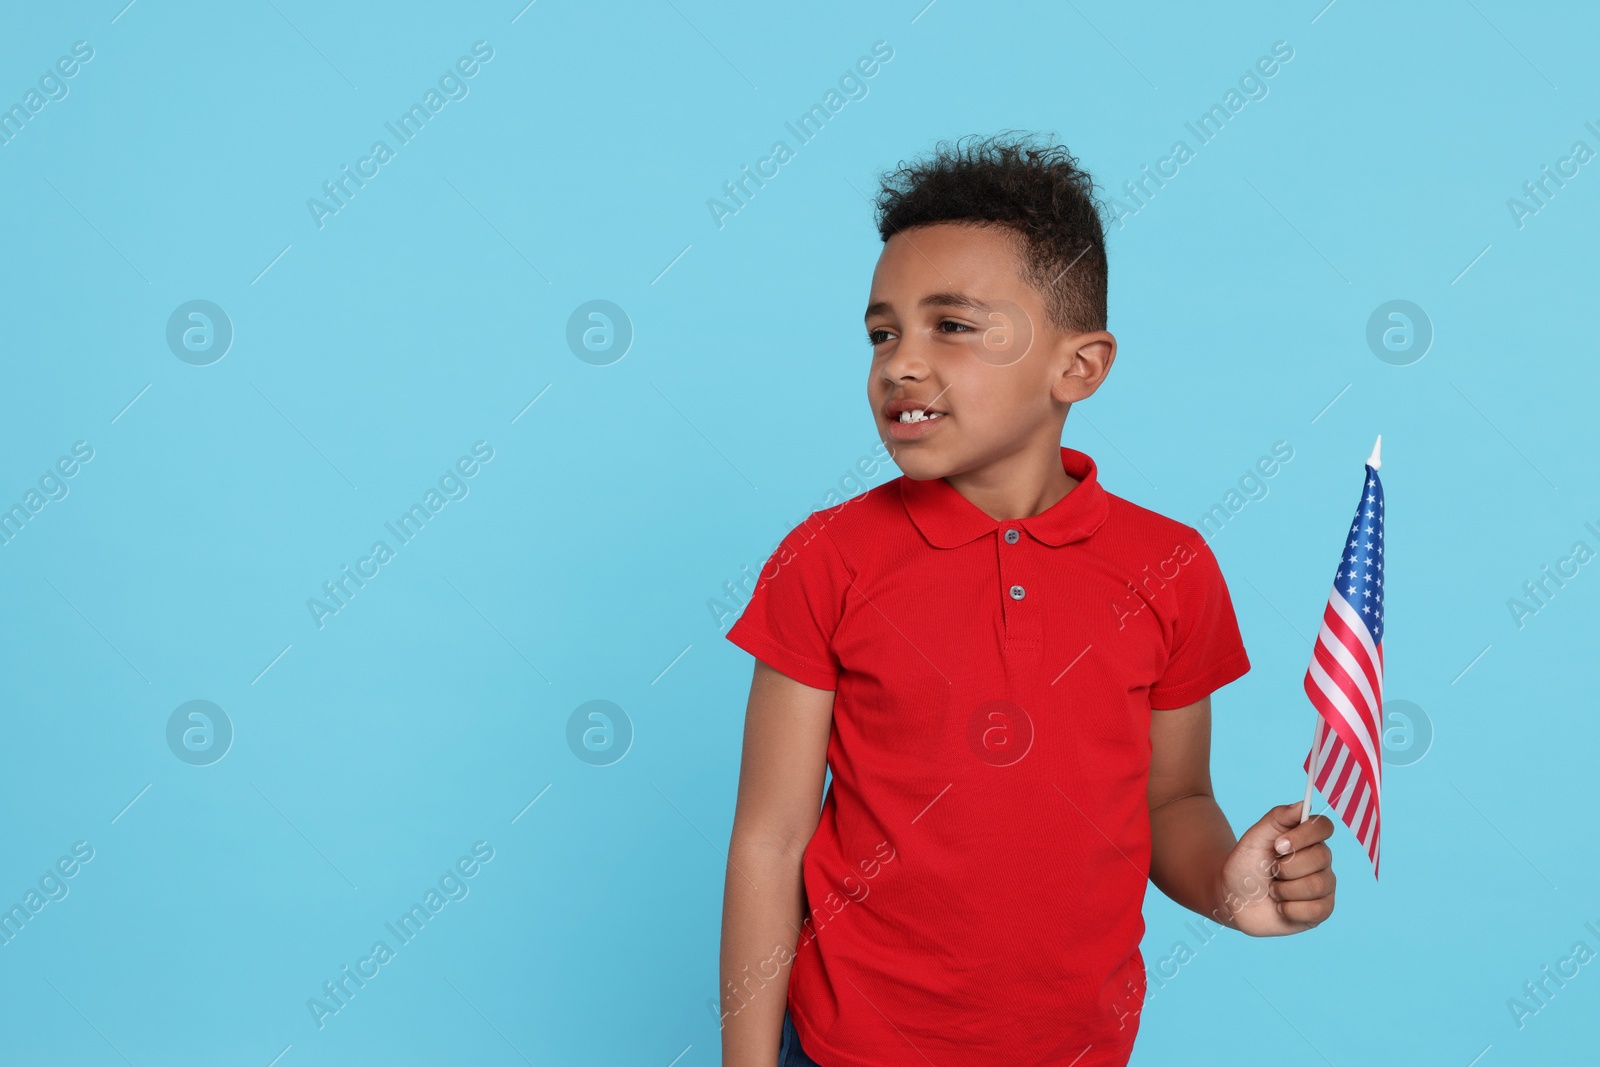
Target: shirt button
<point x="1016" y="592"/>
<point x="1012" y="537"/>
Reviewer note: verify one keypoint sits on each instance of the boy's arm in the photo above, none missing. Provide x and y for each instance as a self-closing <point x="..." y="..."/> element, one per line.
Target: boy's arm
<point x="1248" y="884"/>
<point x="780" y="798"/>
<point x="1189" y="836"/>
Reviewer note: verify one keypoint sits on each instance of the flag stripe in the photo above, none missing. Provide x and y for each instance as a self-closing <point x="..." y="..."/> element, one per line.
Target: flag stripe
<point x="1340" y="777"/>
<point x="1339" y="712"/>
<point x="1332" y="763"/>
<point x="1358" y="820"/>
<point x="1364" y="813"/>
<point x="1363" y="705"/>
<point x="1347" y="648"/>
<point x="1365" y="652"/>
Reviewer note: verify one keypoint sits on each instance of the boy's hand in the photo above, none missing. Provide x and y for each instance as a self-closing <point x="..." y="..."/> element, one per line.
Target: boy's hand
<point x="1272" y="892"/>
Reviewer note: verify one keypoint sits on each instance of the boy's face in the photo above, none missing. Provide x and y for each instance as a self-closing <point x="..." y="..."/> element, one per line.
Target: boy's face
<point x="957" y="330"/>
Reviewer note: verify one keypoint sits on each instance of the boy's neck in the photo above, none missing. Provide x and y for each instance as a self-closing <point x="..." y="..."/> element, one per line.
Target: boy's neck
<point x="1018" y="486"/>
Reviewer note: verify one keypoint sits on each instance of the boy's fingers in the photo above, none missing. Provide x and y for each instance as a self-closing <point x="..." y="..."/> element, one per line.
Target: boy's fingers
<point x="1313" y="886"/>
<point x="1275" y="827"/>
<point x="1310" y="912"/>
<point x="1308" y="860"/>
<point x="1302" y="835"/>
<point x="1285" y="816"/>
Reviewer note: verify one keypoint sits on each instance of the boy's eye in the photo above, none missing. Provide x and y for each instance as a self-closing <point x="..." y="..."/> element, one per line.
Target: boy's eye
<point x="872" y="337"/>
<point x="958" y="325"/>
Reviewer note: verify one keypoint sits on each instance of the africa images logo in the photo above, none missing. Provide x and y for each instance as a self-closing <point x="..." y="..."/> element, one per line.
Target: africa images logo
<point x="340" y="591"/>
<point x="452" y="86"/>
<point x="452" y="886"/>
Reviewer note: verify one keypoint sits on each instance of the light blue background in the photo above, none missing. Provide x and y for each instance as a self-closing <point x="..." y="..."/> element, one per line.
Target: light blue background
<point x="428" y="313"/>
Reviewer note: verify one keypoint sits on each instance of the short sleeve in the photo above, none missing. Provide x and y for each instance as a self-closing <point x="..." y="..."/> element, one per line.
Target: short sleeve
<point x="1206" y="651"/>
<point x="795" y="609"/>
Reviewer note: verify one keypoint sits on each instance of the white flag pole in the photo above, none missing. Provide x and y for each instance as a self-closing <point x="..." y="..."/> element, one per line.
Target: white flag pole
<point x="1311" y="773"/>
<point x="1316" y="728"/>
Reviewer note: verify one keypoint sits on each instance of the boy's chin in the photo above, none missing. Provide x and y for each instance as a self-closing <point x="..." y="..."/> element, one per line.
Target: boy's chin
<point x="919" y="462"/>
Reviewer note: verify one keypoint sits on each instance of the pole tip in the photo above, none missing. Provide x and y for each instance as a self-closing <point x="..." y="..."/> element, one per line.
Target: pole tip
<point x="1372" y="461"/>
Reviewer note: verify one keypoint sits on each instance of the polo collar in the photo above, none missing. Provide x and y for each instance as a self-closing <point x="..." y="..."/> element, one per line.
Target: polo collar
<point x="947" y="519"/>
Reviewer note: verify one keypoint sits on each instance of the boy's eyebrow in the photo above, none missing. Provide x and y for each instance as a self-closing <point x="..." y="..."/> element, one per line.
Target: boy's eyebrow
<point x="948" y="299"/>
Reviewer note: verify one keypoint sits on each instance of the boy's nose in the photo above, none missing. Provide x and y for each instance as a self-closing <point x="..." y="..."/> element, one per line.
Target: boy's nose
<point x="908" y="364"/>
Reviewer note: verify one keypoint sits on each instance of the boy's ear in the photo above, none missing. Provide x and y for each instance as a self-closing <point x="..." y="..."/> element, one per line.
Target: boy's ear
<point x="1085" y="361"/>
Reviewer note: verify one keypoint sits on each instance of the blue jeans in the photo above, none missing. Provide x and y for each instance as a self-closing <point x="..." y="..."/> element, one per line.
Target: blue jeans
<point x="790" y="1054"/>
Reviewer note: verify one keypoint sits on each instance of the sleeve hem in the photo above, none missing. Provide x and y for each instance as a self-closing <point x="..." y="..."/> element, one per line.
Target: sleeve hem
<point x="1163" y="698"/>
<point x="784" y="661"/>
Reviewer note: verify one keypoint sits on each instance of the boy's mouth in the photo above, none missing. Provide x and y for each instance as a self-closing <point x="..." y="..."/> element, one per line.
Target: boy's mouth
<point x="905" y="409"/>
<point x="910" y="420"/>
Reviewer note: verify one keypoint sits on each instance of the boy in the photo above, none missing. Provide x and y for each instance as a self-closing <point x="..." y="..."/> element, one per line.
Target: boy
<point x="1008" y="670"/>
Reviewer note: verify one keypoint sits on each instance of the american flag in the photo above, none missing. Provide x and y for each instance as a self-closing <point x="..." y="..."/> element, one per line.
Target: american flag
<point x="1345" y="678"/>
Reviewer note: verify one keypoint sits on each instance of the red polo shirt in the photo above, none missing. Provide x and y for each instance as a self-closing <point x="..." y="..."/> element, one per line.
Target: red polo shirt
<point x="976" y="880"/>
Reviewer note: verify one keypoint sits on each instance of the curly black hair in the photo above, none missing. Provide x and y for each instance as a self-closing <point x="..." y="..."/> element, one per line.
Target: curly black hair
<point x="1038" y="190"/>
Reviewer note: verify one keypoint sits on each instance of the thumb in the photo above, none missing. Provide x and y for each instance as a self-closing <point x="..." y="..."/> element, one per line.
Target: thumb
<point x="1269" y="834"/>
